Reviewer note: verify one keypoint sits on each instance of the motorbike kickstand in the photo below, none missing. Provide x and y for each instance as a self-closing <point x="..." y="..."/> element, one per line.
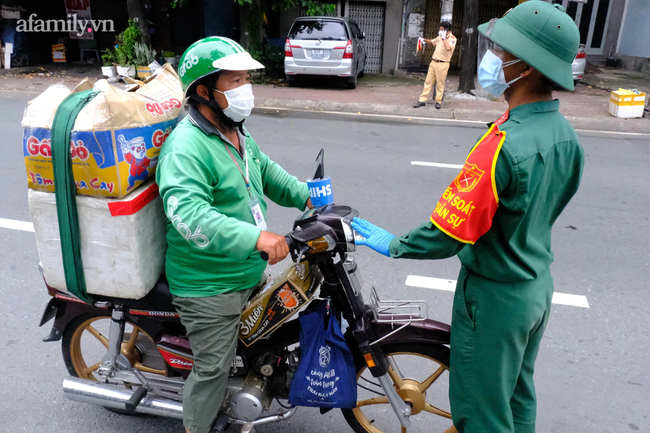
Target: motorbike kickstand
<point x="248" y="428"/>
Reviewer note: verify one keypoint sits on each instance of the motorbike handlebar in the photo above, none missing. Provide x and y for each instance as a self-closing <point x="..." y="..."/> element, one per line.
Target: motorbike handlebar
<point x="265" y="256"/>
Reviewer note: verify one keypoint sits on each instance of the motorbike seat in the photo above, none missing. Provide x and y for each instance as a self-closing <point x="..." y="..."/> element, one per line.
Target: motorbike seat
<point x="158" y="299"/>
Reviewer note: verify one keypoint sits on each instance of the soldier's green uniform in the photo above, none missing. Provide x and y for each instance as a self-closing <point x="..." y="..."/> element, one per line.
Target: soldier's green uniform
<point x="504" y="290"/>
<point x="503" y="295"/>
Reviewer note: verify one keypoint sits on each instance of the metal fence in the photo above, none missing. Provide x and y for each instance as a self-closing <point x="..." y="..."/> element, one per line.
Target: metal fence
<point x="370" y="16"/>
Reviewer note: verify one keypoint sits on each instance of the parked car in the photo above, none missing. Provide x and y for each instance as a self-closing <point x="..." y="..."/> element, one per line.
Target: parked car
<point x="579" y="63"/>
<point x="325" y="46"/>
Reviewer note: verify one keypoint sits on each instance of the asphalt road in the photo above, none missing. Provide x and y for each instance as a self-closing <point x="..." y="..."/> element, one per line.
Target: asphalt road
<point x="593" y="372"/>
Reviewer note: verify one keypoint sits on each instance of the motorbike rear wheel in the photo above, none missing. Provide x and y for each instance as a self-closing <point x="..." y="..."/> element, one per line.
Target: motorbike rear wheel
<point x="85" y="342"/>
<point x="420" y="373"/>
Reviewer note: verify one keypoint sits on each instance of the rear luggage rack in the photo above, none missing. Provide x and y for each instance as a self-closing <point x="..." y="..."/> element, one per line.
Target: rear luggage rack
<point x="397" y="312"/>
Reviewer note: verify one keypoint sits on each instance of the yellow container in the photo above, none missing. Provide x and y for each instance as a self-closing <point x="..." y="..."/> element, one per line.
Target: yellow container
<point x="58" y="53"/>
<point x="626" y="103"/>
<point x="144" y="72"/>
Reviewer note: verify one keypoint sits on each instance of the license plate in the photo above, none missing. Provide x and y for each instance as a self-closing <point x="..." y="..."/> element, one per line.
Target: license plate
<point x="317" y="54"/>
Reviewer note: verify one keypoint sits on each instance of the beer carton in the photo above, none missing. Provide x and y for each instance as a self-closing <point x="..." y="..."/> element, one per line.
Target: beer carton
<point x="115" y="140"/>
<point x="280" y="299"/>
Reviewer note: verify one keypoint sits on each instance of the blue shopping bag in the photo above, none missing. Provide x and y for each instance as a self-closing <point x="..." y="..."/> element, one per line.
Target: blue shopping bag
<point x="326" y="376"/>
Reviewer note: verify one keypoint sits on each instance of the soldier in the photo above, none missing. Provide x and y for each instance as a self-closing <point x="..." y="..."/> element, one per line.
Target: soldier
<point x="497" y="217"/>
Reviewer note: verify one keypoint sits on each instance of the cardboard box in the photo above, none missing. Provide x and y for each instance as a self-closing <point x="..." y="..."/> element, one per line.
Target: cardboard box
<point x="279" y="300"/>
<point x="115" y="140"/>
<point x="626" y="103"/>
<point x="123" y="241"/>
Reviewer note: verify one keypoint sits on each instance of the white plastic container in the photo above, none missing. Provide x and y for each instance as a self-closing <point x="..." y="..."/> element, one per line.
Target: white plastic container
<point x="126" y="71"/>
<point x="109" y="71"/>
<point x="626" y="103"/>
<point x="123" y="241"/>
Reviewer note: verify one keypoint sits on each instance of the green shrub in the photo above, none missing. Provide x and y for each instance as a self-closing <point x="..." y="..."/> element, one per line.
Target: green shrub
<point x="143" y="54"/>
<point x="108" y="57"/>
<point x="125" y="44"/>
<point x="271" y="57"/>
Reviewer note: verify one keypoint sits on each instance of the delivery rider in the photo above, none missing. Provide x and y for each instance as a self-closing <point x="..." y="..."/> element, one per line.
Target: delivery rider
<point x="497" y="216"/>
<point x="213" y="178"/>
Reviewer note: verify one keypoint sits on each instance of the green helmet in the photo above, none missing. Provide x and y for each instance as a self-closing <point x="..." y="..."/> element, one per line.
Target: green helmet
<point x="210" y="55"/>
<point x="541" y="35"/>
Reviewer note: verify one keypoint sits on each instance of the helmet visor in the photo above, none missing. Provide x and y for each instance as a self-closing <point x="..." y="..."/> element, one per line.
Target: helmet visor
<point x="485" y="44"/>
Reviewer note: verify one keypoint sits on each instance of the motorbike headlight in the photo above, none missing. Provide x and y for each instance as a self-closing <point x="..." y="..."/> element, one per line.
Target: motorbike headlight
<point x="350" y="235"/>
<point x="322" y="244"/>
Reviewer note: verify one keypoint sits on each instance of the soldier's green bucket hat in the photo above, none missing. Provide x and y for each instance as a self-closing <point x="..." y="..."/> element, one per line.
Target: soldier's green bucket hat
<point x="541" y="35"/>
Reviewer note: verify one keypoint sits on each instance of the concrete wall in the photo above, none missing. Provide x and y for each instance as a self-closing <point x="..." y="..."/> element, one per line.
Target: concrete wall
<point x="635" y="33"/>
<point x="615" y="20"/>
<point x="286" y="19"/>
<point x="409" y="57"/>
<point x="392" y="31"/>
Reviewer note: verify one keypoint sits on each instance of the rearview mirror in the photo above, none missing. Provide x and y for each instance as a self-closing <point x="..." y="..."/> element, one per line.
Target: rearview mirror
<point x="363" y="35"/>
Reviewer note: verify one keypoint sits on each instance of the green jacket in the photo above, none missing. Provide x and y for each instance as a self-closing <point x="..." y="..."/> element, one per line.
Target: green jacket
<point x="211" y="233"/>
<point x="538" y="171"/>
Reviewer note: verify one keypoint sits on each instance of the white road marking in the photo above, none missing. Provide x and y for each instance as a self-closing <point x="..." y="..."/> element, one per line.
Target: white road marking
<point x="431" y="283"/>
<point x="436" y="164"/>
<point x="16" y="225"/>
<point x="450" y="286"/>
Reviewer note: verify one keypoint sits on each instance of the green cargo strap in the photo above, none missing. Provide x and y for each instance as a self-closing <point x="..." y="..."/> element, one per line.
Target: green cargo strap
<point x="66" y="194"/>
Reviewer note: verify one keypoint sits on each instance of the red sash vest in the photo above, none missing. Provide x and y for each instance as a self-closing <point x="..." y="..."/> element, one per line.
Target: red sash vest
<point x="466" y="208"/>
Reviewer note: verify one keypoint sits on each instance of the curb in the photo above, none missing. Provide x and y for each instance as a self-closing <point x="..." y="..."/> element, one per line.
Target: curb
<point x="604" y="124"/>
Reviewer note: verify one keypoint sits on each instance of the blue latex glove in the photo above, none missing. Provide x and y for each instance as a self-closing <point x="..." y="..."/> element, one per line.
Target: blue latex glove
<point x="375" y="237"/>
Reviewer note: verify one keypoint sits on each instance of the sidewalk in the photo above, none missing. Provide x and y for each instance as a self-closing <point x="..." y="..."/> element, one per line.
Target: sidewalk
<point x="586" y="107"/>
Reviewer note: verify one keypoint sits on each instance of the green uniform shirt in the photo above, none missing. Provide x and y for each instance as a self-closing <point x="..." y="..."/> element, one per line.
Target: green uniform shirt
<point x="211" y="233"/>
<point x="538" y="171"/>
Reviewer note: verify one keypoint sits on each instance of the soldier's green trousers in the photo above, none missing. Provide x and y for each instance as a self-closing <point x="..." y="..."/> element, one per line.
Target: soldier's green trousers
<point x="495" y="336"/>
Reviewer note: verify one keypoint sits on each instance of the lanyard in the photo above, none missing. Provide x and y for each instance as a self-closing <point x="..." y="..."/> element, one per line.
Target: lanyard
<point x="245" y="176"/>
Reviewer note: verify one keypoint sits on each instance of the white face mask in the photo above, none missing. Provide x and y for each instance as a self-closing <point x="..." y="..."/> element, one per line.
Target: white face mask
<point x="240" y="102"/>
<point x="491" y="76"/>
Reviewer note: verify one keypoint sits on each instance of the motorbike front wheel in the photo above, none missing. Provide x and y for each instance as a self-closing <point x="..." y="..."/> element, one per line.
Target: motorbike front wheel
<point x="420" y="373"/>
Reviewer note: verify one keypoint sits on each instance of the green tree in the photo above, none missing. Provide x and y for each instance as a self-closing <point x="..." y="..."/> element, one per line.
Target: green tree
<point x="138" y="14"/>
<point x="311" y="7"/>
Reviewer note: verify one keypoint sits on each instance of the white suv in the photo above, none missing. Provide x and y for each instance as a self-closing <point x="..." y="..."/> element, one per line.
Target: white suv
<point x="325" y="46"/>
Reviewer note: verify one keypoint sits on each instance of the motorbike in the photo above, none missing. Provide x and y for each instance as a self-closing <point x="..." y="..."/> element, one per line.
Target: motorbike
<point x="133" y="356"/>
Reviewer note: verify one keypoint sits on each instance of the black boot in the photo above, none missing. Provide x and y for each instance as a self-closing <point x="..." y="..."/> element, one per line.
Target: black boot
<point x="419" y="104"/>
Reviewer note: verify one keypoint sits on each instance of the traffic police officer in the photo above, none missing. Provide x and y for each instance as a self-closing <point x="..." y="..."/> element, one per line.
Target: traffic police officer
<point x="213" y="179"/>
<point x="497" y="217"/>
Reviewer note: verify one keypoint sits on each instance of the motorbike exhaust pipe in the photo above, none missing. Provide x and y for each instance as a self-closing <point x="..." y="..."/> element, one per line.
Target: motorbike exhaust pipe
<point x="114" y="396"/>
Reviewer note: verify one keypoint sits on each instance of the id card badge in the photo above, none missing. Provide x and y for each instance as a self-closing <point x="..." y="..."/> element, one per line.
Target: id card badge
<point x="258" y="216"/>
